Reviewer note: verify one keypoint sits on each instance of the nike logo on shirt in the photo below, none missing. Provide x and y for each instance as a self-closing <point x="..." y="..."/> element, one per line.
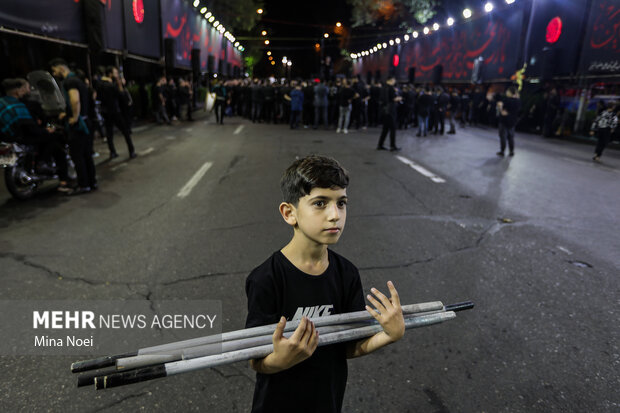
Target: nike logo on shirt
<point x="311" y="312"/>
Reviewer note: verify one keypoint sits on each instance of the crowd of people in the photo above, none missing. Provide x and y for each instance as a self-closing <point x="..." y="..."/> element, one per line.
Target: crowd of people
<point x="91" y="108"/>
<point x="96" y="108"/>
<point x="343" y="104"/>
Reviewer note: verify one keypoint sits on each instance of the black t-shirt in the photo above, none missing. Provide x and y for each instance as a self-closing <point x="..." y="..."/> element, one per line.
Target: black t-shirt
<point x="156" y="91"/>
<point x="512" y="106"/>
<point x="424" y="104"/>
<point x="346" y="96"/>
<point x="277" y="288"/>
<point x="388" y="94"/>
<point x="74" y="82"/>
<point x="109" y="95"/>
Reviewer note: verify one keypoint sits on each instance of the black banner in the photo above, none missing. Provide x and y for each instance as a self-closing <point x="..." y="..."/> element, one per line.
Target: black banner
<point x="142" y="32"/>
<point x="60" y="18"/>
<point x="113" y="24"/>
<point x="190" y="30"/>
<point x="553" y="37"/>
<point x="601" y="49"/>
<point x="495" y="38"/>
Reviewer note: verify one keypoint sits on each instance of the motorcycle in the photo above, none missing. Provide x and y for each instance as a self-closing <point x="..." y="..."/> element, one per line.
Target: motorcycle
<point x="25" y="170"/>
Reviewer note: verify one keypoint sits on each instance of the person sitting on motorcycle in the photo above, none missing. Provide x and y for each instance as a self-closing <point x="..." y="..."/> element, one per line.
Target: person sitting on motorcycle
<point x="17" y="125"/>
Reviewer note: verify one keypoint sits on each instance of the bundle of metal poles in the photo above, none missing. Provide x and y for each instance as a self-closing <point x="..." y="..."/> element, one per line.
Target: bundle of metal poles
<point x="250" y="343"/>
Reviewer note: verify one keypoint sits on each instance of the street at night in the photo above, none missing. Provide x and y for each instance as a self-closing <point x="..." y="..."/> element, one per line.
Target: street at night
<point x="268" y="206"/>
<point x="531" y="240"/>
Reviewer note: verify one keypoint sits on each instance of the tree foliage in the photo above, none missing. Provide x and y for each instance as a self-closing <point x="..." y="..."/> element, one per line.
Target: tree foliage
<point x="239" y="15"/>
<point x="373" y="12"/>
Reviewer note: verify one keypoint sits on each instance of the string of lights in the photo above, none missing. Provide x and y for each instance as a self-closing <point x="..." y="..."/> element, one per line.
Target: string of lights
<point x="450" y="21"/>
<point x="208" y="16"/>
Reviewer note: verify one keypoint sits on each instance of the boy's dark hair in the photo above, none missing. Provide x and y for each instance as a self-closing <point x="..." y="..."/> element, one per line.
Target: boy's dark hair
<point x="314" y="171"/>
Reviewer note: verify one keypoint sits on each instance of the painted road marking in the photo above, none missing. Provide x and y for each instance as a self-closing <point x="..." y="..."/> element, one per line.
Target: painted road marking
<point x="433" y="177"/>
<point x="185" y="191"/>
<point x="146" y="151"/>
<point x="238" y="130"/>
<point x="120" y="165"/>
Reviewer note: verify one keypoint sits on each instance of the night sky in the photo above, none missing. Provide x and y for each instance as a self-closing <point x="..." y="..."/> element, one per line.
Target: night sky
<point x="294" y="27"/>
<point x="302" y="24"/>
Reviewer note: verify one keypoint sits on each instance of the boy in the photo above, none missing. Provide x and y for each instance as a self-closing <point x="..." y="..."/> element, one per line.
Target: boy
<point x="303" y="280"/>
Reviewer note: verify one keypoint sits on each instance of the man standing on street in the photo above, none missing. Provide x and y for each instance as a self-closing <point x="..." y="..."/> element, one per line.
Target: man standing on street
<point x="604" y="126"/>
<point x="320" y="104"/>
<point x="508" y="108"/>
<point x="110" y="92"/>
<point x="80" y="139"/>
<point x="389" y="100"/>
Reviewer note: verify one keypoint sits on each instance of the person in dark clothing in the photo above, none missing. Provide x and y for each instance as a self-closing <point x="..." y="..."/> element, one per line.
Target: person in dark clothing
<point x="170" y="92"/>
<point x="220" y="101"/>
<point x="478" y="105"/>
<point x="407" y="108"/>
<point x="257" y="101"/>
<point x="443" y="100"/>
<point x="373" y="104"/>
<point x="356" y="103"/>
<point x="80" y="139"/>
<point x="159" y="101"/>
<point x="185" y="100"/>
<point x="304" y="280"/>
<point x="126" y="102"/>
<point x="110" y="94"/>
<point x="308" y="111"/>
<point x="345" y="99"/>
<point x="551" y="113"/>
<point x="508" y="108"/>
<point x="285" y="91"/>
<point x="452" y="109"/>
<point x="269" y="104"/>
<point x="465" y="108"/>
<point x="320" y="104"/>
<point x="297" y="105"/>
<point x="389" y="100"/>
<point x="423" y="106"/>
<point x="21" y="125"/>
<point x="604" y="126"/>
<point x="332" y="103"/>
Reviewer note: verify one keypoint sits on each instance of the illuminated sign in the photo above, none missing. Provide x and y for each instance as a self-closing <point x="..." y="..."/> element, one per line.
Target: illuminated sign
<point x="395" y="60"/>
<point x="138" y="11"/>
<point x="554" y="30"/>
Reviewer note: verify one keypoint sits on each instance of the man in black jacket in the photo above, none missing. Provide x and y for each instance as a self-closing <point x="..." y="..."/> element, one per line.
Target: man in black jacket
<point x="80" y="139"/>
<point x="424" y="106"/>
<point x="110" y="91"/>
<point x="508" y="108"/>
<point x="389" y="100"/>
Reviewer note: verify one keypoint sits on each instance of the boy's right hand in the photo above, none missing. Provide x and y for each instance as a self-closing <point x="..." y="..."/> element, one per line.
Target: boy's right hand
<point x="288" y="352"/>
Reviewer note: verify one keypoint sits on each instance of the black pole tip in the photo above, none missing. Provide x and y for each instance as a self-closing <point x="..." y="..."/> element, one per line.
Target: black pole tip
<point x="465" y="305"/>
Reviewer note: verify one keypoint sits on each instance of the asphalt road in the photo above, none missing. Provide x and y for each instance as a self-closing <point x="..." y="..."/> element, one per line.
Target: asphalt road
<point x="533" y="240"/>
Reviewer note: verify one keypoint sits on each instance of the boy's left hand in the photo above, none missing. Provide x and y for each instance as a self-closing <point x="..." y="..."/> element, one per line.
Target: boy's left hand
<point x="388" y="312"/>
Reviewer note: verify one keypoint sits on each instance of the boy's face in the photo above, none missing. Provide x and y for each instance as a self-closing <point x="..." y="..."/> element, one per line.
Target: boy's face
<point x="321" y="215"/>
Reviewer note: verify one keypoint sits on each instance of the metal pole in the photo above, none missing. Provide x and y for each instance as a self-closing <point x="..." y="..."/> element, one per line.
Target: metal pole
<point x="184" y="366"/>
<point x="352" y="317"/>
<point x="127" y="363"/>
<point x="133" y="362"/>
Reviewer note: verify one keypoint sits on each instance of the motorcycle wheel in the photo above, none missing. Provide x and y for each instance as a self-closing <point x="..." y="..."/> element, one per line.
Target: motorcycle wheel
<point x="15" y="177"/>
